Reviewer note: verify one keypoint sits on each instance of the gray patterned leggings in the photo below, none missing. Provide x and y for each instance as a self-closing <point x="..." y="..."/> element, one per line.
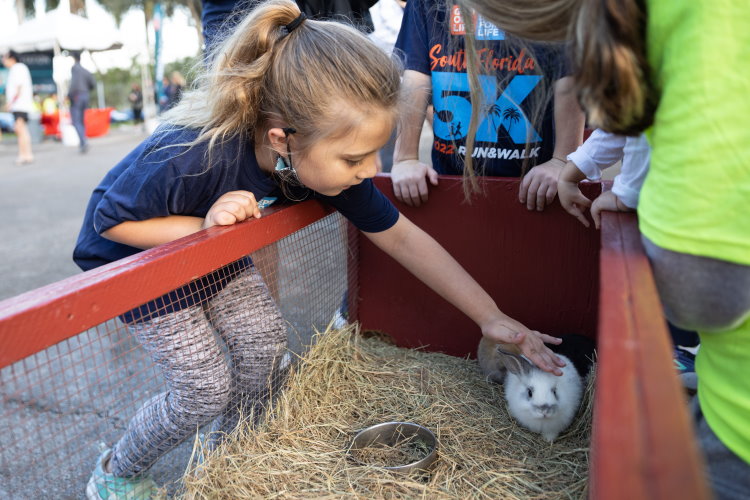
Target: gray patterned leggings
<point x="201" y="382"/>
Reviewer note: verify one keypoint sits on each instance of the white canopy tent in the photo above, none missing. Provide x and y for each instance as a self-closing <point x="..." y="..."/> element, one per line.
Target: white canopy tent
<point x="58" y="30"/>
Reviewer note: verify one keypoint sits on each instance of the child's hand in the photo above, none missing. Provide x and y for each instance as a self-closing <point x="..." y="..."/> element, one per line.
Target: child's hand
<point x="409" y="178"/>
<point x="232" y="207"/>
<point x="539" y="186"/>
<point x="607" y="201"/>
<point x="571" y="197"/>
<point x="529" y="342"/>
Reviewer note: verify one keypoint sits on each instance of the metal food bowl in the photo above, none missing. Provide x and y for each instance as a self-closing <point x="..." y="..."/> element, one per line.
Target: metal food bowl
<point x="388" y="434"/>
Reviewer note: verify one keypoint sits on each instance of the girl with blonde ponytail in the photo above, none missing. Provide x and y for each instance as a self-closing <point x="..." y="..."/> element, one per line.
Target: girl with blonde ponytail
<point x="290" y="108"/>
<point x="679" y="71"/>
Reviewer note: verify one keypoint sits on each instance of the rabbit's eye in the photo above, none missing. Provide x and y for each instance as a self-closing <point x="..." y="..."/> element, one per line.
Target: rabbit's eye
<point x="530" y="392"/>
<point x="554" y="392"/>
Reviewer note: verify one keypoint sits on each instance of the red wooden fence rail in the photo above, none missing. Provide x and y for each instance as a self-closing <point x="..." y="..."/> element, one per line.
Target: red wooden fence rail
<point x="61" y="310"/>
<point x="642" y="438"/>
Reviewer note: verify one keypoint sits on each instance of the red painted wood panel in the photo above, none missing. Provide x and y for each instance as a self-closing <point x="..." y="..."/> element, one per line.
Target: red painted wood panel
<point x="540" y="267"/>
<point x="642" y="440"/>
<point x="38" y="319"/>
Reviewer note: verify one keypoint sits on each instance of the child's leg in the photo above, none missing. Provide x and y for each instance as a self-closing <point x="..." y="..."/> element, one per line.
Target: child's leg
<point x="184" y="346"/>
<point x="700" y="293"/>
<point x="248" y="320"/>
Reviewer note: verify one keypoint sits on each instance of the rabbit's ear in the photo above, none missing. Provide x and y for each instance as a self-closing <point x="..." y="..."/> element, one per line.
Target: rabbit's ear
<point x="514" y="363"/>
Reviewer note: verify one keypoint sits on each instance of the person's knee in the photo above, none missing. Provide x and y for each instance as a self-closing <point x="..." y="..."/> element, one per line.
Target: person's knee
<point x="202" y="397"/>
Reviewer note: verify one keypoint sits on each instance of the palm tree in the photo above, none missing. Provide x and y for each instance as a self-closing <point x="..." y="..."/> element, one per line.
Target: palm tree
<point x="118" y="8"/>
<point x="511" y="115"/>
<point x="494" y="112"/>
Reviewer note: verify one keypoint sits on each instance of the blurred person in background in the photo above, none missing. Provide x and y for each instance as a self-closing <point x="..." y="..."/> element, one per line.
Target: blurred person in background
<point x="173" y="90"/>
<point x="51" y="116"/>
<point x="161" y="95"/>
<point x="135" y="97"/>
<point x="20" y="102"/>
<point x="81" y="84"/>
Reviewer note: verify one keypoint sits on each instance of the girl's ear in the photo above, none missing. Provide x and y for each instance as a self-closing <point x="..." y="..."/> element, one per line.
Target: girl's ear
<point x="278" y="140"/>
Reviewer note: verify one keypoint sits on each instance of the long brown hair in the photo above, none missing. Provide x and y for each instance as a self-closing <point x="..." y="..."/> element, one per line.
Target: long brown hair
<point x="612" y="75"/>
<point x="536" y="108"/>
<point x="308" y="79"/>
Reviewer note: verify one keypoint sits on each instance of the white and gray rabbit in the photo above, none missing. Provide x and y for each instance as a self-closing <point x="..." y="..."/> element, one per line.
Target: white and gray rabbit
<point x="539" y="401"/>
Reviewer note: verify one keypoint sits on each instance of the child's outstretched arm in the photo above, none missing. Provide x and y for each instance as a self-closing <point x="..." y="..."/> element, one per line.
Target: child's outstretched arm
<point x="571" y="197"/>
<point x="427" y="260"/>
<point x="600" y="151"/>
<point x="608" y="201"/>
<point x="230" y="208"/>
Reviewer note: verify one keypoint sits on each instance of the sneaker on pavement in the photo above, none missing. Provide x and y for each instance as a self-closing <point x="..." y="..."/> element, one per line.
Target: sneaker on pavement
<point x="105" y="486"/>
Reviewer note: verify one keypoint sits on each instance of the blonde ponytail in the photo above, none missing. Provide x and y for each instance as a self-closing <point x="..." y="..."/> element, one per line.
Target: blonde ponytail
<point x="261" y="72"/>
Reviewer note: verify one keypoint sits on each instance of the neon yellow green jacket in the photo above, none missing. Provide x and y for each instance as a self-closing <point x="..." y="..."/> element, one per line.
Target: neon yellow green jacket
<point x="696" y="197"/>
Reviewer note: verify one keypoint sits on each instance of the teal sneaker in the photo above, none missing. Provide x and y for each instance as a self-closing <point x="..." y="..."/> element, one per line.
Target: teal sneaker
<point x="105" y="486"/>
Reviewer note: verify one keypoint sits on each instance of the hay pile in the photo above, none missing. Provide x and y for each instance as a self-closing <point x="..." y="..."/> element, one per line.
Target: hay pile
<point x="348" y="382"/>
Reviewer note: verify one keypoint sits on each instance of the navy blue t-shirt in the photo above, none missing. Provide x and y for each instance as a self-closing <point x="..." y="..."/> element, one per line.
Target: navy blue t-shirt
<point x="162" y="176"/>
<point x="515" y="80"/>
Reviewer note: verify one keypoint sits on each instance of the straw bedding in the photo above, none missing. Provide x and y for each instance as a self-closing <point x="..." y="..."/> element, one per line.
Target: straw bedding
<point x="347" y="382"/>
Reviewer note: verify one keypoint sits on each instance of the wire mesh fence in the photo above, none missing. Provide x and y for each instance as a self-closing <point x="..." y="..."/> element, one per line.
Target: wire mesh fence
<point x="220" y="343"/>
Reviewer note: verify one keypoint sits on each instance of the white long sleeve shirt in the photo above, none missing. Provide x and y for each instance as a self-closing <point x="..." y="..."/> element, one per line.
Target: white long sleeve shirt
<point x="602" y="150"/>
<point x="18" y="90"/>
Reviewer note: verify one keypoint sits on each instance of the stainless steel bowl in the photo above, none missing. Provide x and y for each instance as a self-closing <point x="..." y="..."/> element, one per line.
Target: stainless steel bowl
<point x="388" y="434"/>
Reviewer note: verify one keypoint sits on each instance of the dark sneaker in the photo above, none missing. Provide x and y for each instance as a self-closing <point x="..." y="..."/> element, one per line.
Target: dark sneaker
<point x="684" y="362"/>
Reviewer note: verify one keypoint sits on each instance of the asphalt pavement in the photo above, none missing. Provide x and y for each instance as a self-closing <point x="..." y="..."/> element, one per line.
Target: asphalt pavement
<point x="42" y="205"/>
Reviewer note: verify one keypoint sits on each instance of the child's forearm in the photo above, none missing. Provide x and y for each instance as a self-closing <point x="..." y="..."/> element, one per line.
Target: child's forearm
<point x="569" y="119"/>
<point x="571" y="173"/>
<point x="601" y="150"/>
<point x="416" y="88"/>
<point x="153" y="232"/>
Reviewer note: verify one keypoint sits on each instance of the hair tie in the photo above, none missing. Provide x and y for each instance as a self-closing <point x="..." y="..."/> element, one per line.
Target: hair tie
<point x="295" y="24"/>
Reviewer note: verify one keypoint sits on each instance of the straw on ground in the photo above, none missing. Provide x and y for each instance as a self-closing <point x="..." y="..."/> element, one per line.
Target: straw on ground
<point x="346" y="383"/>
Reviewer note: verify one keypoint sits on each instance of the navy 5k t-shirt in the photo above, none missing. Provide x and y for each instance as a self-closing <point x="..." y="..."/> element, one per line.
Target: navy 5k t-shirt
<point x="516" y="81"/>
<point x="163" y="176"/>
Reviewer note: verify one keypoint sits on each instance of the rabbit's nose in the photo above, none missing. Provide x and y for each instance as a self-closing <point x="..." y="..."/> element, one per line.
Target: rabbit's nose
<point x="546" y="410"/>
